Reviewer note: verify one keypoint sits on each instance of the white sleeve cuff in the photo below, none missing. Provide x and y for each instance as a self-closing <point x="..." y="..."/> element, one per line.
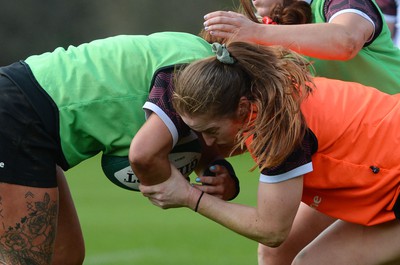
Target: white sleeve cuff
<point x="294" y="173"/>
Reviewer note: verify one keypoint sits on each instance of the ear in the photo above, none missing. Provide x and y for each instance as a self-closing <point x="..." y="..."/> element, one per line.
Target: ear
<point x="243" y="108"/>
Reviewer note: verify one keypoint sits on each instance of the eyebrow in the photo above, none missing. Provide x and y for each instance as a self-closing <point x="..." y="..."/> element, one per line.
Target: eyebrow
<point x="210" y="130"/>
<point x="200" y="128"/>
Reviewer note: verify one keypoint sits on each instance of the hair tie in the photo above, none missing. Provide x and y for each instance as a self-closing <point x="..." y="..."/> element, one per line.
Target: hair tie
<point x="268" y="20"/>
<point x="222" y="53"/>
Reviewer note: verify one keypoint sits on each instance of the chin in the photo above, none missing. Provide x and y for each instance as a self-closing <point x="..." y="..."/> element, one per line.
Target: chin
<point x="262" y="12"/>
<point x="225" y="149"/>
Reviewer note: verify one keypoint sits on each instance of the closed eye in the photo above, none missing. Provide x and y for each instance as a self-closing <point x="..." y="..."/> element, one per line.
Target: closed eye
<point x="211" y="131"/>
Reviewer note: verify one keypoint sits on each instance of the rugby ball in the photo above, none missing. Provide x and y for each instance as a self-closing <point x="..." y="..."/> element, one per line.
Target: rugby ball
<point x="185" y="156"/>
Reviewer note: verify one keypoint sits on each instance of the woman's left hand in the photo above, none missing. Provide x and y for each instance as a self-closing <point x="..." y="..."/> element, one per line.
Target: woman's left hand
<point x="220" y="181"/>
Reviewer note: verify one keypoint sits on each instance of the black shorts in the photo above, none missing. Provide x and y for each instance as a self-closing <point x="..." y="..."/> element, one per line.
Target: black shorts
<point x="30" y="147"/>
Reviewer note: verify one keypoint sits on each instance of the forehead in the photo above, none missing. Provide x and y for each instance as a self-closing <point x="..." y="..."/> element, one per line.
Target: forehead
<point x="198" y="122"/>
<point x="207" y="124"/>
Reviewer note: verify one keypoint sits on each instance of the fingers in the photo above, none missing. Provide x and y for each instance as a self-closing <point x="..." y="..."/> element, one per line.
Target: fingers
<point x="152" y="193"/>
<point x="224" y="18"/>
<point x="147" y="191"/>
<point x="217" y="191"/>
<point x="154" y="197"/>
<point x="229" y="25"/>
<point x="220" y="173"/>
<point x="218" y="169"/>
<point x="214" y="185"/>
<point x="210" y="181"/>
<point x="222" y="22"/>
<point x="221" y="30"/>
<point x="215" y="14"/>
<point x="172" y="193"/>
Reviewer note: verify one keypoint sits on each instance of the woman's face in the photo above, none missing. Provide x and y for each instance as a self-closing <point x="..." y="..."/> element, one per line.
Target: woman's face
<point x="263" y="7"/>
<point x="220" y="131"/>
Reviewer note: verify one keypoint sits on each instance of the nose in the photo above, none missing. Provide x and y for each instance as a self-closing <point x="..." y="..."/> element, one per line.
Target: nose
<point x="209" y="140"/>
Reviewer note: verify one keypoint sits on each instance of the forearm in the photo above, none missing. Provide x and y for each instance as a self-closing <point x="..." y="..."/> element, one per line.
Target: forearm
<point x="149" y="150"/>
<point x="324" y="41"/>
<point x="151" y="171"/>
<point x="244" y="220"/>
<point x="269" y="223"/>
<point x="241" y="219"/>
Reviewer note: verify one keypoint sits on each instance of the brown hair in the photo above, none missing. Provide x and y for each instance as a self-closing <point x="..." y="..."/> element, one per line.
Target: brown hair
<point x="210" y="38"/>
<point x="289" y="13"/>
<point x="274" y="79"/>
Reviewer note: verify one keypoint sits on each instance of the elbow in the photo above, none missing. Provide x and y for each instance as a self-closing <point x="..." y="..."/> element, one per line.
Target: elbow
<point x="149" y="163"/>
<point x="347" y="48"/>
<point x="272" y="242"/>
<point x="142" y="165"/>
<point x="349" y="52"/>
<point x="140" y="160"/>
<point x="273" y="238"/>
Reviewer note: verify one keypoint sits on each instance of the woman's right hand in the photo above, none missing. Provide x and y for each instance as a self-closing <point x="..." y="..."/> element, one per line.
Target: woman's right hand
<point x="230" y="25"/>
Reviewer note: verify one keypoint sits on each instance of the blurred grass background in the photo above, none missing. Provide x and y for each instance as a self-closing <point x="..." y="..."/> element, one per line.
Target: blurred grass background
<point x="122" y="227"/>
<point x="41" y="26"/>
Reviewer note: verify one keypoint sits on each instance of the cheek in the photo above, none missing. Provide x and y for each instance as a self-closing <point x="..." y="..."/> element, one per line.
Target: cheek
<point x="264" y="7"/>
<point x="230" y="133"/>
<point x="263" y="12"/>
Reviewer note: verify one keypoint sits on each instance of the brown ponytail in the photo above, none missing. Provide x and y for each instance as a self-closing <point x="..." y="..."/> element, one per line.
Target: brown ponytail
<point x="275" y="81"/>
<point x="289" y="13"/>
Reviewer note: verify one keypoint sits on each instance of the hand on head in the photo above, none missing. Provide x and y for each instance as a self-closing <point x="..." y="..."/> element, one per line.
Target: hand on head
<point x="230" y="25"/>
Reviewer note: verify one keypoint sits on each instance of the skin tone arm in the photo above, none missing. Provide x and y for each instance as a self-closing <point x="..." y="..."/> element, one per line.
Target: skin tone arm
<point x="69" y="246"/>
<point x="148" y="156"/>
<point x="269" y="223"/>
<point x="341" y="39"/>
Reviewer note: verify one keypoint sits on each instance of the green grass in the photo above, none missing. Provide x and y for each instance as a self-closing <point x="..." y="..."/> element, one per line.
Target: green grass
<point x="122" y="227"/>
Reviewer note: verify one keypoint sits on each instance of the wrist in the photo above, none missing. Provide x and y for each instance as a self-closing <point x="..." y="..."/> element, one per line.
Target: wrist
<point x="196" y="208"/>
<point x="194" y="198"/>
<point x="261" y="33"/>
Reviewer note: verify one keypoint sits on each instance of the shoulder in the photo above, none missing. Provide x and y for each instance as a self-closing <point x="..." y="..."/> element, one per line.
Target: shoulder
<point x="296" y="164"/>
<point x="160" y="102"/>
<point x="365" y="8"/>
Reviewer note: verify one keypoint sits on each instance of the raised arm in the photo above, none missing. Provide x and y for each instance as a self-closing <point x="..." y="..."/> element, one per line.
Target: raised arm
<point x="340" y="39"/>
